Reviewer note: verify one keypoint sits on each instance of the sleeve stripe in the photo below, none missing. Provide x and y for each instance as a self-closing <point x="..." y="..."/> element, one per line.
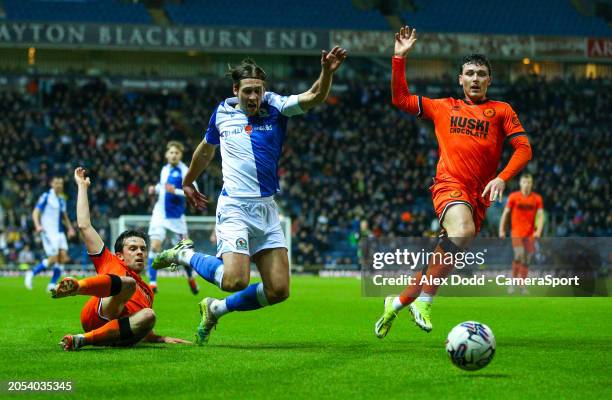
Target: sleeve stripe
<point x="420" y="102"/>
<point x="512" y="136"/>
<point x="97" y="254"/>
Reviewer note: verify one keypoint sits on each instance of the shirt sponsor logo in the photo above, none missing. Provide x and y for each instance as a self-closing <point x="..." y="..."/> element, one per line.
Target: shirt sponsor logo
<point x="525" y="206"/>
<point x="228" y="133"/>
<point x="469" y="126"/>
<point x="266" y="127"/>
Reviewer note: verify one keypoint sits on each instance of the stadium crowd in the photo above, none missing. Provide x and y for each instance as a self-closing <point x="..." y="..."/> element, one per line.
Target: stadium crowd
<point x="356" y="167"/>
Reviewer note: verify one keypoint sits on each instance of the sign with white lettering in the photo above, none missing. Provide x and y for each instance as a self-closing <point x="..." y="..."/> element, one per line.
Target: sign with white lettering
<point x="163" y="38"/>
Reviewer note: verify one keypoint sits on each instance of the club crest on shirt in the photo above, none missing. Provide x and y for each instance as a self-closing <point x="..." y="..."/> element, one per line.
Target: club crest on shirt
<point x="489" y="112"/>
<point x="248" y="129"/>
<point x="241" y="244"/>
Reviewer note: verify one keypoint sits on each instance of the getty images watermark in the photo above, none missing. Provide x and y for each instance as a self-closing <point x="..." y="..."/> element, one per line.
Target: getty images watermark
<point x="489" y="267"/>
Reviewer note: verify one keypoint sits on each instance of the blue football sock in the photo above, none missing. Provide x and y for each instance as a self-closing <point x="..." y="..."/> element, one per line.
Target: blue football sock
<point x="152" y="271"/>
<point x="206" y="266"/>
<point x="57" y="272"/>
<point x="251" y="298"/>
<point x="40" y="267"/>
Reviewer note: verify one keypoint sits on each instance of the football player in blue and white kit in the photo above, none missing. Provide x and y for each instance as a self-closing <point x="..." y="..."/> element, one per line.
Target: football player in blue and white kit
<point x="250" y="129"/>
<point x="50" y="219"/>
<point x="169" y="210"/>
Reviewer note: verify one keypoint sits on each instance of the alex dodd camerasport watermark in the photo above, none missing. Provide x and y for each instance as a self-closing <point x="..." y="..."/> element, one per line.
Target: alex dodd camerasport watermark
<point x="555" y="266"/>
<point x="475" y="280"/>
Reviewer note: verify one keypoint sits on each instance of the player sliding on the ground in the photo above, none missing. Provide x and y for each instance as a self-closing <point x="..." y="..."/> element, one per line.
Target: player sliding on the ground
<point x="169" y="210"/>
<point x="119" y="313"/>
<point x="251" y="129"/>
<point x="527" y="211"/>
<point x="470" y="133"/>
<point x="50" y="218"/>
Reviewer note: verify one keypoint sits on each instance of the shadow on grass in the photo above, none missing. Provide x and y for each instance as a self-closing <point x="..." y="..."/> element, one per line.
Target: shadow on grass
<point x="160" y="346"/>
<point x="482" y="375"/>
<point x="318" y="347"/>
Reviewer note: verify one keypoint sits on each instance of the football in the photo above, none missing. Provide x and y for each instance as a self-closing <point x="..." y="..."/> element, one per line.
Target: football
<point x="471" y="345"/>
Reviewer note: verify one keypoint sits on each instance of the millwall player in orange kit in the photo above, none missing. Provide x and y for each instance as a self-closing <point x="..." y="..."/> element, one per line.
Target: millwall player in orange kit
<point x="527" y="219"/>
<point x="471" y="133"/>
<point x="119" y="311"/>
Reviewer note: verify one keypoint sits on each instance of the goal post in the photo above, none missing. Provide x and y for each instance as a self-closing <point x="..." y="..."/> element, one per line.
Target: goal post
<point x="200" y="230"/>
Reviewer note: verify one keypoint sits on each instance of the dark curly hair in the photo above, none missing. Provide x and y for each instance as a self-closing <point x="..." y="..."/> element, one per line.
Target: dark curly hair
<point x="247" y="69"/>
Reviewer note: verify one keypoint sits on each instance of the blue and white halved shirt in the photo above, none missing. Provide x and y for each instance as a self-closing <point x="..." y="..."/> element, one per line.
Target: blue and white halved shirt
<point x="251" y="146"/>
<point x="52" y="208"/>
<point x="171" y="205"/>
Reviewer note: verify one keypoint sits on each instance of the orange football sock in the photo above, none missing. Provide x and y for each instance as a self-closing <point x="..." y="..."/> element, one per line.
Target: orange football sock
<point x="411" y="292"/>
<point x="524" y="270"/>
<point x="437" y="269"/>
<point x="107" y="333"/>
<point x="515" y="268"/>
<point x="100" y="285"/>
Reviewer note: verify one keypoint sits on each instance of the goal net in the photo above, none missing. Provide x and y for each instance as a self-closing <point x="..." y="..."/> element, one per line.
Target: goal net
<point x="201" y="229"/>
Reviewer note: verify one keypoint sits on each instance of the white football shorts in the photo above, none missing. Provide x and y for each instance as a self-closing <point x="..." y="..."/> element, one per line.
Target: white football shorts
<point x="248" y="225"/>
<point x="159" y="226"/>
<point x="54" y="242"/>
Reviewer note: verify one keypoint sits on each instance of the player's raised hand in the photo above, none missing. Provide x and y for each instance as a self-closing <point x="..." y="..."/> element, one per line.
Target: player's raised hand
<point x="195" y="198"/>
<point x="495" y="188"/>
<point x="331" y="61"/>
<point x="404" y="41"/>
<point x="80" y="177"/>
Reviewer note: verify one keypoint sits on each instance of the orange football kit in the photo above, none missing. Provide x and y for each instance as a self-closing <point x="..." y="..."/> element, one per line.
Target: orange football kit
<point x="523" y="211"/>
<point x="108" y="263"/>
<point x="470" y="139"/>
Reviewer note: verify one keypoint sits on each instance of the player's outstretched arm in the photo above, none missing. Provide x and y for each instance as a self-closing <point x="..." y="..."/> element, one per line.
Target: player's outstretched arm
<point x="93" y="241"/>
<point x="152" y="337"/>
<point x="400" y="95"/>
<point x="330" y="62"/>
<point x="202" y="156"/>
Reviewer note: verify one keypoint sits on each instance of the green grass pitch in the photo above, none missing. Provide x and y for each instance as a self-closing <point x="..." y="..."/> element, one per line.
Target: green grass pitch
<point x="318" y="344"/>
